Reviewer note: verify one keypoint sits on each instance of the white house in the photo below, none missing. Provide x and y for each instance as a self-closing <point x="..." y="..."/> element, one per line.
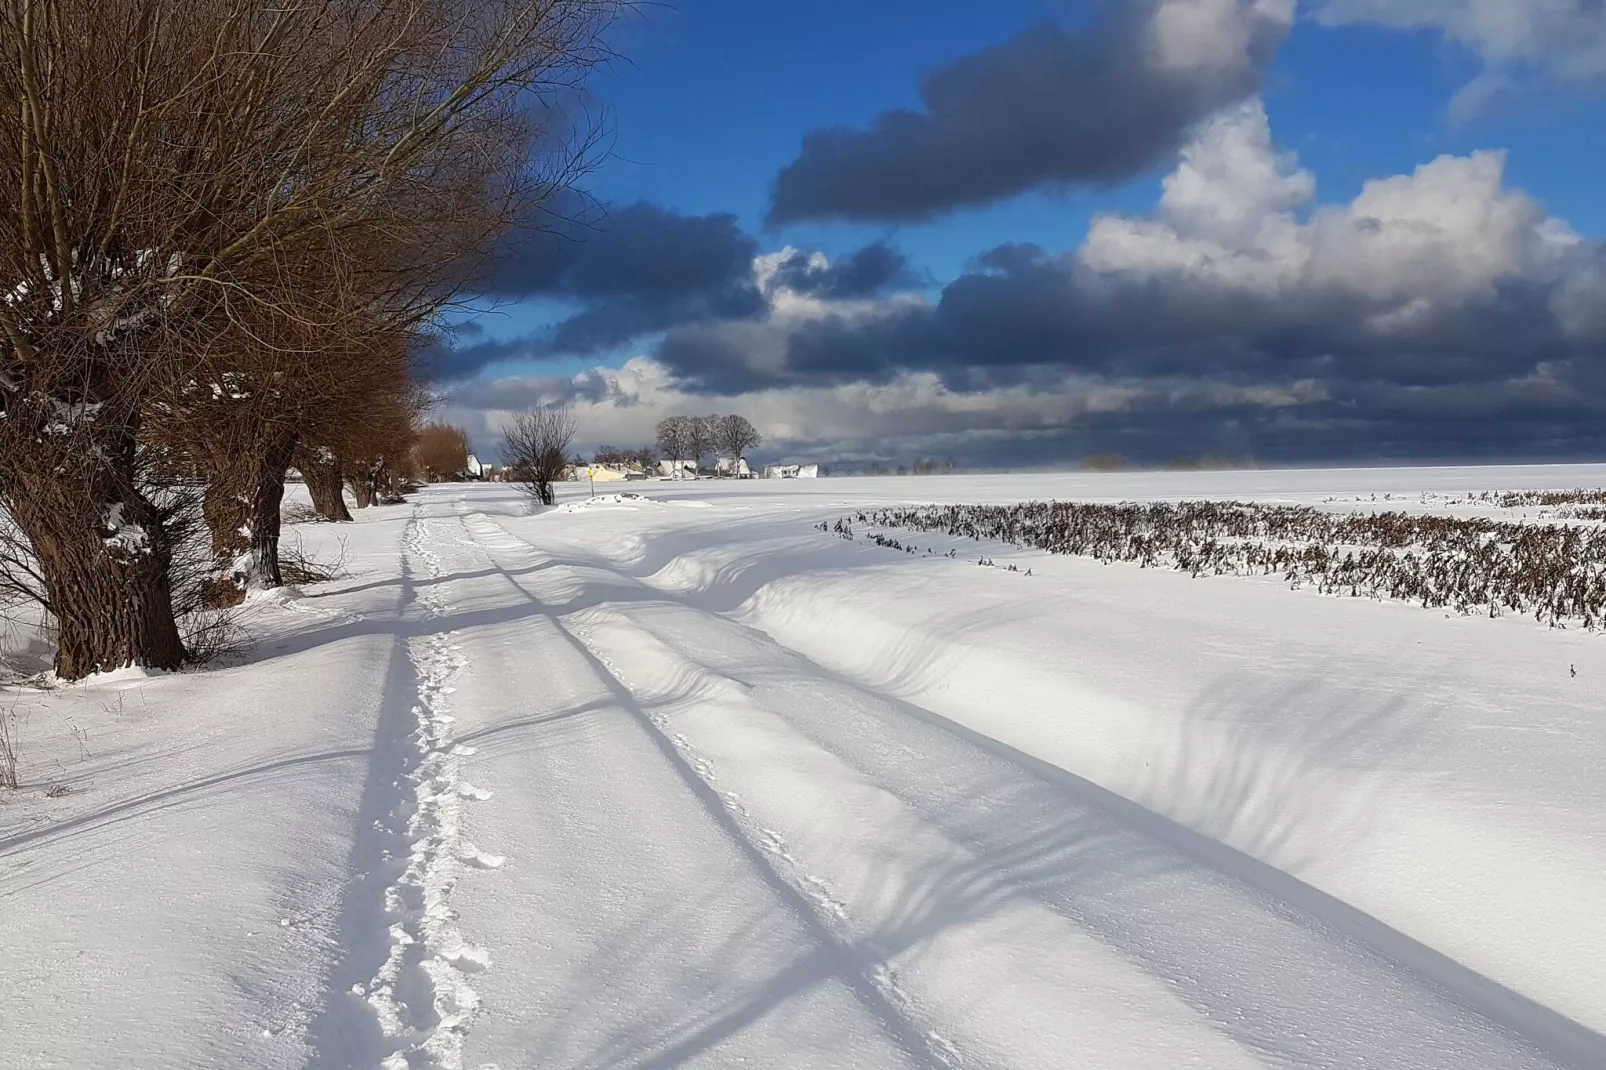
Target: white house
<point x="678" y="469"/>
<point x="792" y="471"/>
<point x="473" y="469"/>
<point x="726" y="467"/>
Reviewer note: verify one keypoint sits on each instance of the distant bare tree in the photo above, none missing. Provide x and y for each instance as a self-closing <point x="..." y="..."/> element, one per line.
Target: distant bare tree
<point x="535" y="445"/>
<point x="674" y="438"/>
<point x="378" y="461"/>
<point x="701" y="437"/>
<point x="442" y="451"/>
<point x="735" y="435"/>
<point x="641" y="458"/>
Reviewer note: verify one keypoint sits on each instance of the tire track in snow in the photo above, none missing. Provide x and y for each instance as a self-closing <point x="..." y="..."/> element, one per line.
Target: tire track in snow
<point x="865" y="969"/>
<point x="833" y="912"/>
<point x="421" y="994"/>
<point x="830" y="912"/>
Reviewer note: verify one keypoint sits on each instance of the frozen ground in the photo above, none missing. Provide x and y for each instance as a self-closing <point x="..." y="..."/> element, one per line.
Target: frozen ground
<point x="687" y="782"/>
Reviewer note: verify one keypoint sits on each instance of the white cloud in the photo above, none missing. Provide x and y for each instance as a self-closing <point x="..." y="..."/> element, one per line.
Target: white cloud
<point x="1226" y="217"/>
<point x="1214" y="37"/>
<point x="1491" y="90"/>
<point x="1565" y="37"/>
<point x="1408" y="246"/>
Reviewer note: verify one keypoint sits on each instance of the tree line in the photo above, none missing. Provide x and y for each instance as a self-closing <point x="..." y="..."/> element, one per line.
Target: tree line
<point x="227" y="226"/>
<point x="691" y="438"/>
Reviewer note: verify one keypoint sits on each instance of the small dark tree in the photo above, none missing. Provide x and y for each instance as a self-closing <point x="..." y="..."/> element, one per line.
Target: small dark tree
<point x="735" y="435"/>
<point x="535" y="445"/>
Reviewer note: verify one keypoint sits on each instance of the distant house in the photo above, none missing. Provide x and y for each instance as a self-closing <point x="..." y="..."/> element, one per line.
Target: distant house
<point x="474" y="469"/>
<point x="791" y="471"/>
<point x="726" y="467"/>
<point x="678" y="469"/>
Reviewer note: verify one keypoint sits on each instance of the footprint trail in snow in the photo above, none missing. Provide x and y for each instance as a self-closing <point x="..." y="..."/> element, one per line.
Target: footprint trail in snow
<point x="422" y="995"/>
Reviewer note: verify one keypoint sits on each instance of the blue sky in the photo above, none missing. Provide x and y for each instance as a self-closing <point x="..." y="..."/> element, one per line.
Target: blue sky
<point x="716" y="97"/>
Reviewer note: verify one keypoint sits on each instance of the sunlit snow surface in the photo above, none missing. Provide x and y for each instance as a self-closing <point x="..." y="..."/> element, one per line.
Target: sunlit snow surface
<point x="682" y="780"/>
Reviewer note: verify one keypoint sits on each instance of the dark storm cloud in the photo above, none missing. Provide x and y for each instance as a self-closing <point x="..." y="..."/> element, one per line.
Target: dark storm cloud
<point x="534" y="392"/>
<point x="862" y="274"/>
<point x="1302" y="376"/>
<point x="623" y="274"/>
<point x="636" y="270"/>
<point x="619" y="273"/>
<point x="1035" y="310"/>
<point x="1052" y="106"/>
<point x="640" y="270"/>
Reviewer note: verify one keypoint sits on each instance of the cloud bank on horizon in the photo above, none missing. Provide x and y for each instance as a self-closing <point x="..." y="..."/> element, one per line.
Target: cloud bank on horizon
<point x="1439" y="314"/>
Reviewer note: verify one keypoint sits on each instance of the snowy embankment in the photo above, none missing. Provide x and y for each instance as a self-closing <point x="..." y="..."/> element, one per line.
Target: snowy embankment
<point x="683" y="781"/>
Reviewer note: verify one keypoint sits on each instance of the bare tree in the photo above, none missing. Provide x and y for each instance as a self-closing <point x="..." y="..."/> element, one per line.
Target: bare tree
<point x="244" y="419"/>
<point x="441" y="451"/>
<point x="180" y="171"/>
<point x="378" y="463"/>
<point x="535" y="445"/>
<point x="674" y="440"/>
<point x="701" y="435"/>
<point x="325" y="475"/>
<point x="640" y="457"/>
<point x="343" y="409"/>
<point x="736" y="435"/>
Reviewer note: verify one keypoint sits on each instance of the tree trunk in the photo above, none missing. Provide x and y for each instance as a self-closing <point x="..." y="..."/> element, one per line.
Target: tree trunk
<point x="243" y="496"/>
<point x="102" y="549"/>
<point x="111" y="611"/>
<point x="266" y="500"/>
<point x="362" y="489"/>
<point x="326" y="478"/>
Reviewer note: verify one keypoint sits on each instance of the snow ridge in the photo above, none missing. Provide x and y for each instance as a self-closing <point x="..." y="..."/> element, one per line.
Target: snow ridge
<point x="422" y="994"/>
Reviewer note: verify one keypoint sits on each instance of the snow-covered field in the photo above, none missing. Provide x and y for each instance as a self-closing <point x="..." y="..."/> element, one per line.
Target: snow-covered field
<point x="686" y="781"/>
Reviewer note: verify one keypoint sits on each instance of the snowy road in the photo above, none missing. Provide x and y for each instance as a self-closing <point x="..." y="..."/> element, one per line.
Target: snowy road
<point x="689" y="783"/>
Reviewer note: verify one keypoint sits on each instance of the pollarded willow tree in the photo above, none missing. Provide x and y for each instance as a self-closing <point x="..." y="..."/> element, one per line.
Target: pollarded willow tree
<point x="187" y="177"/>
<point x="248" y="415"/>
